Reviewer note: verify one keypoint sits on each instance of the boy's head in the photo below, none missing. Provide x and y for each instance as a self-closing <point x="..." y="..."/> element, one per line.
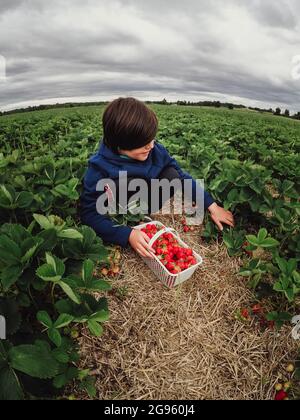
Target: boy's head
<point x="129" y="128"/>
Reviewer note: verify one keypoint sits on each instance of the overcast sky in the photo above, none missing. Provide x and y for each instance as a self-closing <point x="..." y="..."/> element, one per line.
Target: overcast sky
<point x="74" y="50"/>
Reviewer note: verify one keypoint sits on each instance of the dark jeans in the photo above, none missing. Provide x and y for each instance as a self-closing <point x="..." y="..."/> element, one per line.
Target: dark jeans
<point x="168" y="173"/>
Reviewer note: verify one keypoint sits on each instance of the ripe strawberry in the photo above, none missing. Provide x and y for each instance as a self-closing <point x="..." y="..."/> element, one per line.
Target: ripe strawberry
<point x="245" y="313"/>
<point x="177" y="269"/>
<point x="181" y="265"/>
<point x="281" y="395"/>
<point x="186" y="229"/>
<point x="257" y="309"/>
<point x="170" y="266"/>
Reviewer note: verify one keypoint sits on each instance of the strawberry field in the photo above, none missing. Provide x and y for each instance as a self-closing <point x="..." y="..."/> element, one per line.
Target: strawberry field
<point x="57" y="277"/>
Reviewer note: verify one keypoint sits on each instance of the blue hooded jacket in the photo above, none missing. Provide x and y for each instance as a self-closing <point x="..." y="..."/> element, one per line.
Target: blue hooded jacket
<point x="107" y="164"/>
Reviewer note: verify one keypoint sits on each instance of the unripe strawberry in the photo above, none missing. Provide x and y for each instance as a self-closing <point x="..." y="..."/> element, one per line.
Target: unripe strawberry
<point x="278" y="387"/>
<point x="74" y="333"/>
<point x="104" y="271"/>
<point x="116" y="270"/>
<point x="290" y="368"/>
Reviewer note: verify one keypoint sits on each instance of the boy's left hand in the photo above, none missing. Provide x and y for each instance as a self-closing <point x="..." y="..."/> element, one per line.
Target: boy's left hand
<point x="220" y="215"/>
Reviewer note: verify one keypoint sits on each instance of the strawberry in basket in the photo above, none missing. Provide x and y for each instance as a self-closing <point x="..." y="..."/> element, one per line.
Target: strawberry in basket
<point x="167" y="249"/>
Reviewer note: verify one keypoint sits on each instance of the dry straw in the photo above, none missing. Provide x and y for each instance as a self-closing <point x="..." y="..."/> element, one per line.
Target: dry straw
<point x="184" y="343"/>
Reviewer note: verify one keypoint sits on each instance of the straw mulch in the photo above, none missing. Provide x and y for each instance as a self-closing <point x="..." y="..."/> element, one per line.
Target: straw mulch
<point x="184" y="343"/>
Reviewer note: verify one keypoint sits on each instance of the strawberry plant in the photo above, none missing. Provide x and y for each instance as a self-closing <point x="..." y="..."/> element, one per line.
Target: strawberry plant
<point x="37" y="287"/>
<point x="288" y="281"/>
<point x="249" y="163"/>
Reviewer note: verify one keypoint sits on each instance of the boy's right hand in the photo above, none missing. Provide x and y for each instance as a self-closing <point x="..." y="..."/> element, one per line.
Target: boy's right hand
<point x="139" y="242"/>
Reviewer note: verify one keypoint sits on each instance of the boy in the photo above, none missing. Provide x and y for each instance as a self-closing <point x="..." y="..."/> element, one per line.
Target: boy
<point x="128" y="145"/>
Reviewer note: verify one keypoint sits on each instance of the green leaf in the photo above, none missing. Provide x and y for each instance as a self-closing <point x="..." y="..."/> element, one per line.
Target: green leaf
<point x="10" y="387"/>
<point x="289" y="293"/>
<point x="10" y="275"/>
<point x="282" y="264"/>
<point x="49" y="240"/>
<point x="292" y="265"/>
<point x="296" y="277"/>
<point x="254" y="282"/>
<point x="262" y="234"/>
<point x="101" y="316"/>
<point x="24" y="199"/>
<point x="10" y="252"/>
<point x="56" y="263"/>
<point x="61" y="356"/>
<point x="60" y="381"/>
<point x="31" y="251"/>
<point x="69" y="292"/>
<point x="44" y="318"/>
<point x="228" y="241"/>
<point x="278" y="287"/>
<point x="47" y="273"/>
<point x="6" y="193"/>
<point x="245" y="272"/>
<point x="54" y="336"/>
<point x="95" y="328"/>
<point x="88" y="384"/>
<point x="33" y="360"/>
<point x="63" y="321"/>
<point x="64" y="306"/>
<point x="43" y="221"/>
<point x="97" y="285"/>
<point x="253" y="240"/>
<point x="269" y="243"/>
<point x="70" y="234"/>
<point x="87" y="271"/>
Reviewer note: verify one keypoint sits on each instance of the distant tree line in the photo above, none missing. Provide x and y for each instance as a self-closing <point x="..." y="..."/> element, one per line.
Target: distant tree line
<point x="53" y="106"/>
<point x="218" y="104"/>
<point x="214" y="104"/>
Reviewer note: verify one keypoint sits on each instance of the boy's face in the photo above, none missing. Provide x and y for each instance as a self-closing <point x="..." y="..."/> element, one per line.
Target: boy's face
<point x="140" y="154"/>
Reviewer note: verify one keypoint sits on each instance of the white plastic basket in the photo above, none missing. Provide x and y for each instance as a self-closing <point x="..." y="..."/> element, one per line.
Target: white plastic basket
<point x="168" y="279"/>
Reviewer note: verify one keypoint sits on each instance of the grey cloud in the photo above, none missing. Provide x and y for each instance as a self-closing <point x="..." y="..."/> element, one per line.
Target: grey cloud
<point x="51" y="59"/>
<point x="275" y="14"/>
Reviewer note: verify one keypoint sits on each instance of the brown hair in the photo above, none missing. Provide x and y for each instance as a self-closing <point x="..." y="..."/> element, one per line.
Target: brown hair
<point x="128" y="124"/>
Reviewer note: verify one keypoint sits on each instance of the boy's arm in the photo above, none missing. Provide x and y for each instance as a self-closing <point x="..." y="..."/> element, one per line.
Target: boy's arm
<point x="102" y="224"/>
<point x="208" y="200"/>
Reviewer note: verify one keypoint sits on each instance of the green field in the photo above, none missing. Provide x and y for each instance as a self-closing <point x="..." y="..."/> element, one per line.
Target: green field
<point x="250" y="163"/>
